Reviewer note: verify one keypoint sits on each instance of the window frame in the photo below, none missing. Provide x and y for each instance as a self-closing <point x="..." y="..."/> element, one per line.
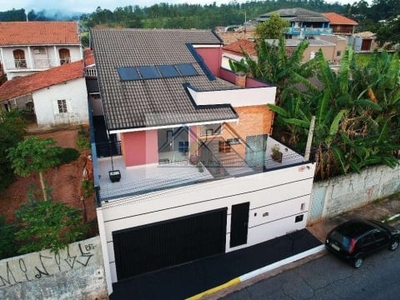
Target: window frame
<point x="62" y="106"/>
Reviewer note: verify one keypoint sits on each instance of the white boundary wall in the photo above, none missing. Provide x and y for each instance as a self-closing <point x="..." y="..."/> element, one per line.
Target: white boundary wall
<point x="344" y="193"/>
<point x="77" y="272"/>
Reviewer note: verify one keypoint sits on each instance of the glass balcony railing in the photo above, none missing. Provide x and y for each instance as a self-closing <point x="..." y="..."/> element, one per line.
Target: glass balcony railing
<point x="308" y="31"/>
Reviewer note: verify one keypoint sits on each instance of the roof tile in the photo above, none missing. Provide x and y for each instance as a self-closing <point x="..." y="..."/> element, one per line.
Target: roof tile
<point x="336" y="19"/>
<point x="38" y="33"/>
<point x="24" y="85"/>
<point x="153" y="102"/>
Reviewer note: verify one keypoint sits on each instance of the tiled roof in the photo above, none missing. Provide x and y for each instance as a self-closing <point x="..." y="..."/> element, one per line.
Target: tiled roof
<point x="153" y="102"/>
<point x="88" y="57"/>
<point x="248" y="46"/>
<point x="336" y="19"/>
<point x="240" y="46"/>
<point x="27" y="84"/>
<point x="296" y="15"/>
<point x="38" y="33"/>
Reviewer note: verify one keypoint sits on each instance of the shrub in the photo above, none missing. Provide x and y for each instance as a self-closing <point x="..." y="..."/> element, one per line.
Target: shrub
<point x="83" y="141"/>
<point x="8" y="246"/>
<point x="87" y="188"/>
<point x="57" y="226"/>
<point x="68" y="155"/>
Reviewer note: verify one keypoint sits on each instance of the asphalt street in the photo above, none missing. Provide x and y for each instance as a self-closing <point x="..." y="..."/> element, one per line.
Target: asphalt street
<point x="329" y="278"/>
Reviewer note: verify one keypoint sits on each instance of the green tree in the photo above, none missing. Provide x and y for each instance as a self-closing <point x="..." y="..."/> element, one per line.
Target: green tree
<point x="388" y="34"/>
<point x="34" y="155"/>
<point x="273" y="28"/>
<point x="57" y="226"/>
<point x="12" y="131"/>
<point x="275" y="65"/>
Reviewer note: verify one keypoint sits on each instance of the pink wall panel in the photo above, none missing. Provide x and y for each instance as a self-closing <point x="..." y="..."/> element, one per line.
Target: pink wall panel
<point x="140" y="148"/>
<point x="212" y="57"/>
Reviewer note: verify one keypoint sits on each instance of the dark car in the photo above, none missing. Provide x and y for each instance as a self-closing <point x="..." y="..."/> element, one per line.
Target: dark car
<point x="357" y="238"/>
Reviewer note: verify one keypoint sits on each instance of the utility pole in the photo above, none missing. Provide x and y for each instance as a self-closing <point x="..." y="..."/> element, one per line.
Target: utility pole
<point x="309" y="139"/>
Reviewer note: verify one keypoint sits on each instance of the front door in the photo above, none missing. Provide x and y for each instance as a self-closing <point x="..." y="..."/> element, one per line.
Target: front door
<point x="239" y="224"/>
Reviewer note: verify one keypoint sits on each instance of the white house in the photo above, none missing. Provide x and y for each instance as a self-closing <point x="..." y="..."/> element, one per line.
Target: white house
<point x="57" y="96"/>
<point x="29" y="47"/>
<point x="184" y="164"/>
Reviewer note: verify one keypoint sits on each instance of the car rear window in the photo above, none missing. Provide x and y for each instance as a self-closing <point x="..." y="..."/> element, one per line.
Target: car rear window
<point x="342" y="240"/>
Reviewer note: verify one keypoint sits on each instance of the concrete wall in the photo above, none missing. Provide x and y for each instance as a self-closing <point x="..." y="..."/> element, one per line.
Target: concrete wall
<point x="343" y="193"/>
<point x="75" y="273"/>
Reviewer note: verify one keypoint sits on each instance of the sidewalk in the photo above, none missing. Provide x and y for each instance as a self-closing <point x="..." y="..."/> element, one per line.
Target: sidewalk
<point x="377" y="210"/>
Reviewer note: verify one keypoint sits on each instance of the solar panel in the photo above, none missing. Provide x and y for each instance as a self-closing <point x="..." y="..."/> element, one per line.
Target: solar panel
<point x="187" y="69"/>
<point x="149" y="72"/>
<point x="128" y="73"/>
<point x="168" y="71"/>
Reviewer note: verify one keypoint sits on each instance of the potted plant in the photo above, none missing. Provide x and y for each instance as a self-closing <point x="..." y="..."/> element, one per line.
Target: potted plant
<point x="276" y="153"/>
<point x="200" y="167"/>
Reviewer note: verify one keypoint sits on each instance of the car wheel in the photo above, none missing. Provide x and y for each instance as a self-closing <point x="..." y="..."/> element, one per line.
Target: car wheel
<point x="357" y="262"/>
<point x="394" y="245"/>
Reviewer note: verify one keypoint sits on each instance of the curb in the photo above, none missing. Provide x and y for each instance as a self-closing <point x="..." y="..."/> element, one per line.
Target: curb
<point x="258" y="272"/>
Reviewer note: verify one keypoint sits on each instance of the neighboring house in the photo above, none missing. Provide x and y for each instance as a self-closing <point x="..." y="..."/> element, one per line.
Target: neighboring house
<point x="303" y="23"/>
<point x="340" y="24"/>
<point x="184" y="165"/>
<point x="57" y="96"/>
<point x="331" y="46"/>
<point x="363" y="41"/>
<point x="29" y="47"/>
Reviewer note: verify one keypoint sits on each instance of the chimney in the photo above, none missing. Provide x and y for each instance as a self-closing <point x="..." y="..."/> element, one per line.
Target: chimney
<point x="240" y="79"/>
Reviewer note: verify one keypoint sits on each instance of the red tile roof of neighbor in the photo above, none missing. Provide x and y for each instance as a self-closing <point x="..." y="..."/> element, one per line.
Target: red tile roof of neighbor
<point x="336" y="19"/>
<point x="88" y="57"/>
<point x="24" y="85"/>
<point x="38" y="33"/>
<point x="240" y="46"/>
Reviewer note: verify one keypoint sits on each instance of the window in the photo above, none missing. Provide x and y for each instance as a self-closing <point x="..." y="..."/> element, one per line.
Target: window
<point x="62" y="106"/>
<point x="39" y="50"/>
<point x="212" y="129"/>
<point x="338" y="53"/>
<point x="65" y="56"/>
<point x="183" y="146"/>
<point x="19" y="59"/>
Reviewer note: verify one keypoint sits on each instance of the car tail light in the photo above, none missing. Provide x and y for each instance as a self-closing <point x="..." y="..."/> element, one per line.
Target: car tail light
<point x="352" y="245"/>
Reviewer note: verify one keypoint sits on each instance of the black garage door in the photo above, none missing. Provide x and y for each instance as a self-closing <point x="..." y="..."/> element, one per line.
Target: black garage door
<point x="159" y="245"/>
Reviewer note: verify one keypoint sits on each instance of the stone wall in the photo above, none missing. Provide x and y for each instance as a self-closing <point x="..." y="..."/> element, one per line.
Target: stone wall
<point x="77" y="272"/>
<point x="343" y="193"/>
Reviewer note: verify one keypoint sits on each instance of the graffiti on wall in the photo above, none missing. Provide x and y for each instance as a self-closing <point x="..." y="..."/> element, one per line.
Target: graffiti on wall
<point x="35" y="266"/>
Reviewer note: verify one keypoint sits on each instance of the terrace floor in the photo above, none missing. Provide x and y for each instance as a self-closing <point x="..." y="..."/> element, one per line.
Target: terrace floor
<point x="146" y="178"/>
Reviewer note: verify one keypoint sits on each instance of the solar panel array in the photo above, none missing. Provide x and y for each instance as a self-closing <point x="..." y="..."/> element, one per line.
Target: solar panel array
<point x="154" y="72"/>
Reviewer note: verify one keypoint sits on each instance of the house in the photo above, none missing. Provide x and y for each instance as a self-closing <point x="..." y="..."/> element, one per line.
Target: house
<point x="304" y="23"/>
<point x="332" y="47"/>
<point x="184" y="164"/>
<point x="340" y="24"/>
<point x="57" y="96"/>
<point x="363" y="41"/>
<point x="29" y="47"/>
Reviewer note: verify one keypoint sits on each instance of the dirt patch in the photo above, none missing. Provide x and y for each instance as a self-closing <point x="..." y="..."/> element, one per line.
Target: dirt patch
<point x="64" y="181"/>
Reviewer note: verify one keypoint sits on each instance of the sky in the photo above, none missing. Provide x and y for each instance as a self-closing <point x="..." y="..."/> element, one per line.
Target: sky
<point x="88" y="6"/>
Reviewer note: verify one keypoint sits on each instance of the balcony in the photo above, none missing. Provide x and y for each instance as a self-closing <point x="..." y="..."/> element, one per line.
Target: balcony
<point x="90" y="72"/>
<point x="309" y="31"/>
<point x="36" y="64"/>
<point x="217" y="159"/>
